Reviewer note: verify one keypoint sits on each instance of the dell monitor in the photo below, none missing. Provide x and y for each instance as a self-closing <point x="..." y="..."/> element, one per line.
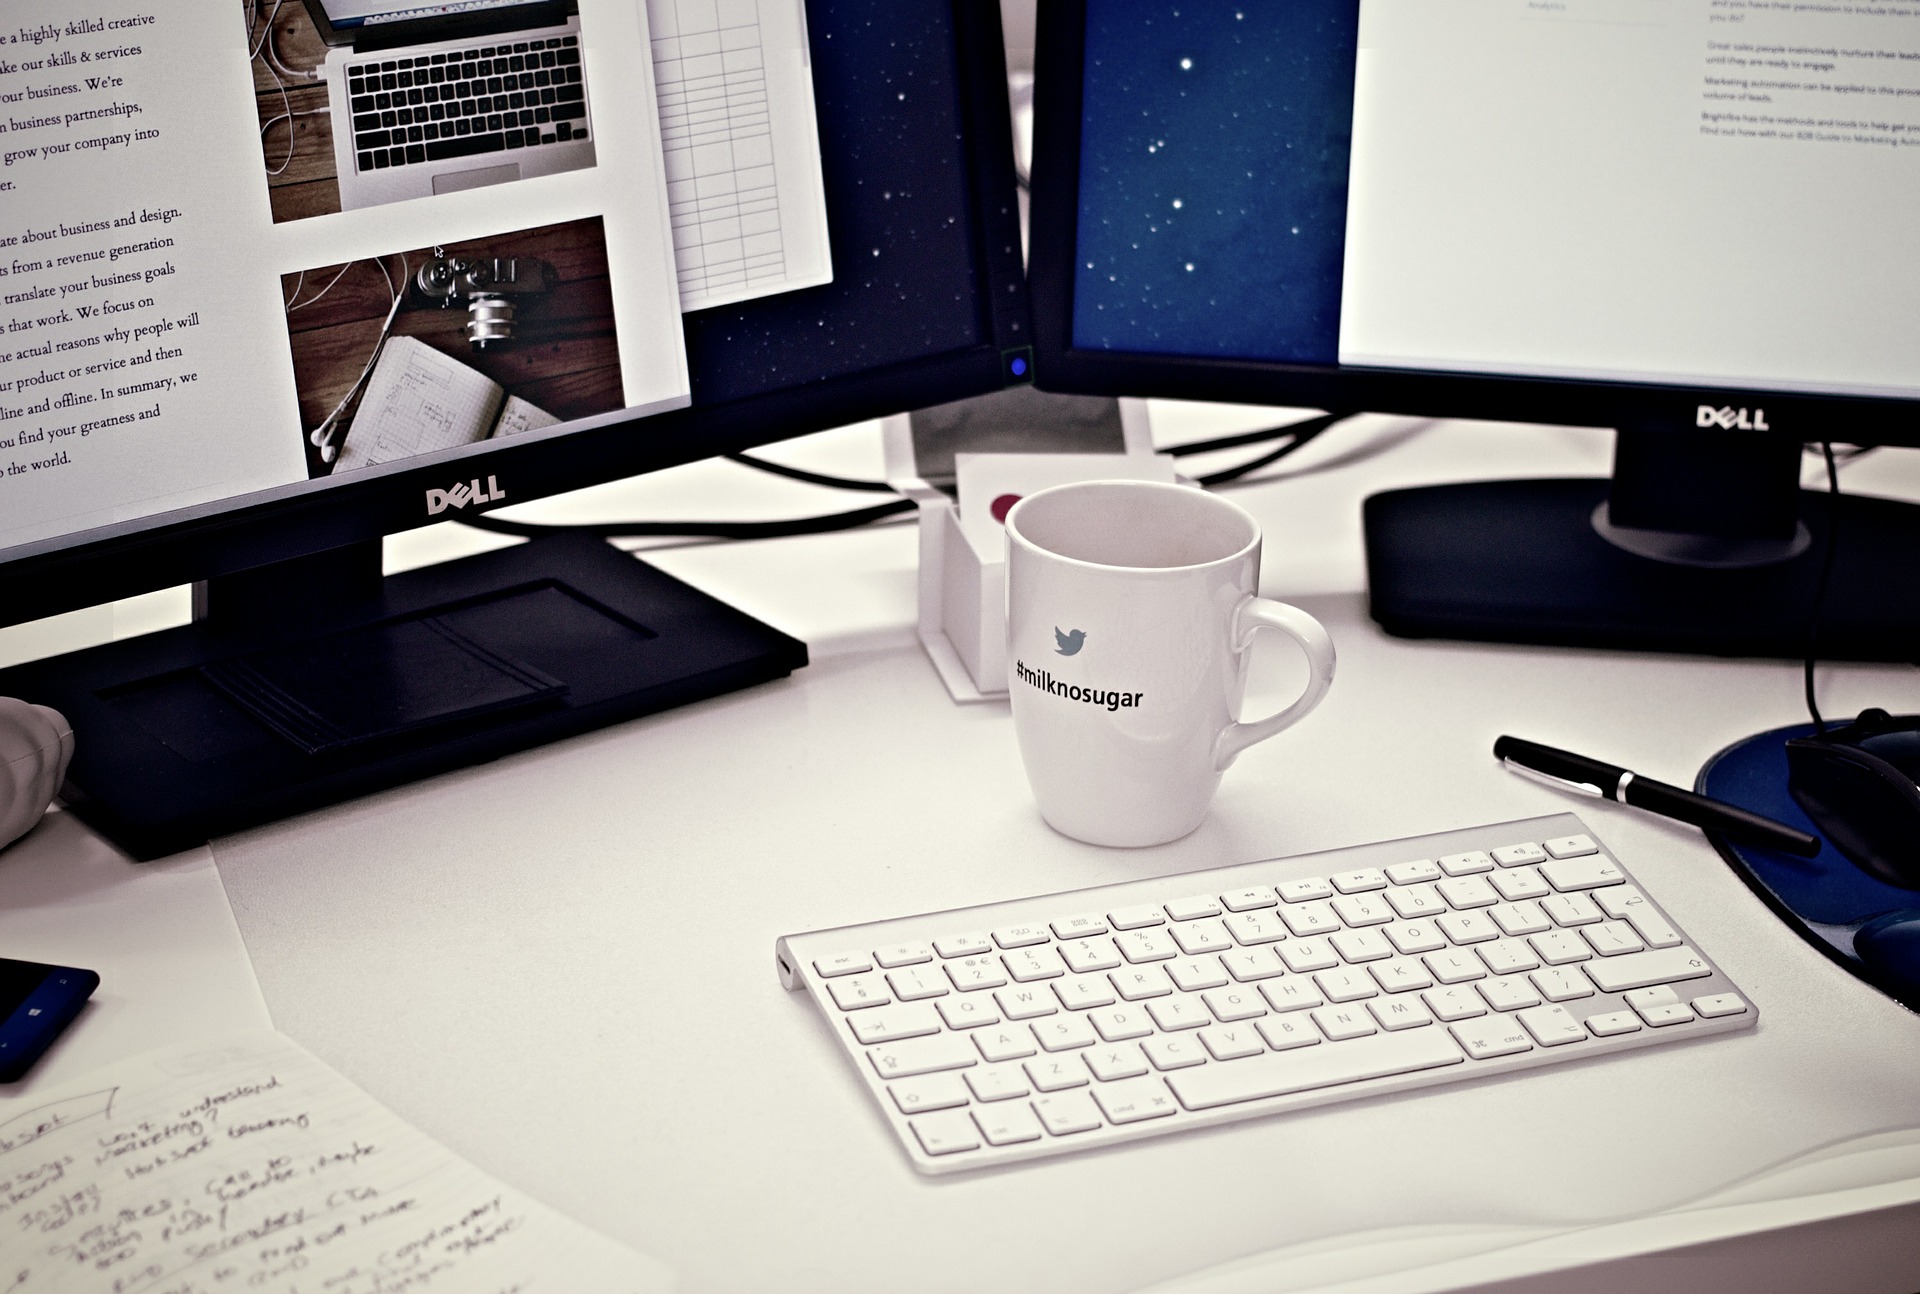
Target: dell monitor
<point x="1691" y="223"/>
<point x="378" y="264"/>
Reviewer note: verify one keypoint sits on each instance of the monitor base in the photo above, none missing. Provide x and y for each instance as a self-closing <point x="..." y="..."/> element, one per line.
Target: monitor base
<point x="1521" y="561"/>
<point x="299" y="689"/>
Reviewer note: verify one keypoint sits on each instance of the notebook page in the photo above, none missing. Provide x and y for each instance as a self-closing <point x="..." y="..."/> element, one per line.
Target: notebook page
<point x="250" y="1165"/>
<point x="418" y="400"/>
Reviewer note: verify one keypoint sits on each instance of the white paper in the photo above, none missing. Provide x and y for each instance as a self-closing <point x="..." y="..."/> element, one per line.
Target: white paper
<point x="252" y="1166"/>
<point x="984" y="479"/>
<point x="742" y="148"/>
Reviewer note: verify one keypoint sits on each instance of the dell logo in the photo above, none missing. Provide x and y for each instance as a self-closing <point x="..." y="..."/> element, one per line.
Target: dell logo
<point x="1731" y="418"/>
<point x="461" y="495"/>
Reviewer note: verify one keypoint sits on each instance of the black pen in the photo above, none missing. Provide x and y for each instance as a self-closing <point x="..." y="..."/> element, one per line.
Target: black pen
<point x="1571" y="772"/>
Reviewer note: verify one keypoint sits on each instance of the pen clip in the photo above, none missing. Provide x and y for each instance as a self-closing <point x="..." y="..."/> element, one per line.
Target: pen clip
<point x="1557" y="783"/>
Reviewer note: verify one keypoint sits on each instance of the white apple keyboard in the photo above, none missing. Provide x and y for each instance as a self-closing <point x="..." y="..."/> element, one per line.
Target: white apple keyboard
<point x="1006" y="1032"/>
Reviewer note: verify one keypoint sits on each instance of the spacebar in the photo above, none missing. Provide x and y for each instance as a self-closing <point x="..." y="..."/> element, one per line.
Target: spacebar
<point x="1231" y="1081"/>
<point x="439" y="150"/>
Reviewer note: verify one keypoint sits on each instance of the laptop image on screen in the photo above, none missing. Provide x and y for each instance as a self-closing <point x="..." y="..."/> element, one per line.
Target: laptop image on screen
<point x="433" y="98"/>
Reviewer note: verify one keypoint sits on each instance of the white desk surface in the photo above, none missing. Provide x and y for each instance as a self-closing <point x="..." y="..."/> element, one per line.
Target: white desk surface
<point x="560" y="964"/>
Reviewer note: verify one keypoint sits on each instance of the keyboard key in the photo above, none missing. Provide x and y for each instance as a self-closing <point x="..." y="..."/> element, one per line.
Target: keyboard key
<point x="1581" y="873"/>
<point x="1196" y="937"/>
<point x="1401" y="975"/>
<point x="1055" y="1073"/>
<point x="1021" y="936"/>
<point x="1007" y="1125"/>
<point x="853" y="963"/>
<point x="1416" y="937"/>
<point x="1303" y="955"/>
<point x="1193" y="908"/>
<point x="1079" y="927"/>
<point x="890" y="1024"/>
<point x="1315" y="918"/>
<point x="948" y="1133"/>
<point x="1516" y="855"/>
<point x="1571" y="909"/>
<point x="1285" y="1032"/>
<point x="1561" y="983"/>
<point x="1254" y="928"/>
<point x="1655" y="966"/>
<point x="442" y="149"/>
<point x="1508" y="956"/>
<point x="1304" y="1070"/>
<point x="1492" y="1035"/>
<point x="1140" y="983"/>
<point x="1294" y="994"/>
<point x="1139" y="946"/>
<point x="1065" y="1113"/>
<point x="912" y="983"/>
<point x="1467" y="864"/>
<point x="934" y="1092"/>
<point x="856" y="992"/>
<point x="1341" y="1023"/>
<point x="1523" y="918"/>
<point x="1356" y="946"/>
<point x="1196" y="973"/>
<point x="1134" y="1100"/>
<point x="1300" y="891"/>
<point x="1458" y="1003"/>
<point x="1508" y="993"/>
<point x="918" y="1056"/>
<point x="1467" y="927"/>
<point x="1246" y="900"/>
<point x="1083" y="993"/>
<point x="1346" y="985"/>
<point x="1120" y="1023"/>
<point x="1467" y="892"/>
<point x="1411" y="873"/>
<point x="1233" y="1004"/>
<point x="1572" y="846"/>
<point x="1359" y="881"/>
<point x="1455" y="967"/>
<point x="1558" y="947"/>
<point x="1551" y="1026"/>
<point x="1521" y="883"/>
<point x="1253" y="964"/>
<point x="1363" y="909"/>
<point x="1134" y="918"/>
<point x="970" y="944"/>
<point x="1232" y="1042"/>
<point x="1627" y="901"/>
<point x="1172" y="1014"/>
<point x="1062" y="1032"/>
<point x="1720" y="1004"/>
<point x="1612" y="938"/>
<point x="1414" y="902"/>
<point x="1111" y="1063"/>
<point x="1023" y="1003"/>
<point x="1611" y="1024"/>
<point x="1174" y="1051"/>
<point x="1002" y="1043"/>
<point x="968" y="1012"/>
<point x="970" y="974"/>
<point x="1029" y="964"/>
<point x="902" y="955"/>
<point x="1394" y="1014"/>
<point x="1084" y="956"/>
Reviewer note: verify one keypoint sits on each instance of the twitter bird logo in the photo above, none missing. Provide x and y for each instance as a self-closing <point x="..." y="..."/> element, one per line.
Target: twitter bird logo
<point x="1070" y="644"/>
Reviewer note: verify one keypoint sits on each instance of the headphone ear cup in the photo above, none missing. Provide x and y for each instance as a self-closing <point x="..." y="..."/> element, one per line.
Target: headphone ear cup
<point x="1890" y="947"/>
<point x="1868" y="808"/>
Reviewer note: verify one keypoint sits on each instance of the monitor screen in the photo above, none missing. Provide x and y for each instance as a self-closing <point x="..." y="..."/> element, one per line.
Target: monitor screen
<point x="1635" y="192"/>
<point x="506" y="251"/>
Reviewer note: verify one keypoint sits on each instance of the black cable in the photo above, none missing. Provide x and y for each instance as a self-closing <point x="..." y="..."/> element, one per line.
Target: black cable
<point x="1820" y="591"/>
<point x="702" y="529"/>
<point x="811" y="478"/>
<point x="1315" y="425"/>
<point x="1304" y="434"/>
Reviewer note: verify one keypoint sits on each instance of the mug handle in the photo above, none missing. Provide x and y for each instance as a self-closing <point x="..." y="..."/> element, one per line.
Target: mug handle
<point x="1249" y="618"/>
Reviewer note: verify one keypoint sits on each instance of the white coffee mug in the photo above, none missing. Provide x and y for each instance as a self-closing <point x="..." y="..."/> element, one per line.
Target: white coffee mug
<point x="1131" y="607"/>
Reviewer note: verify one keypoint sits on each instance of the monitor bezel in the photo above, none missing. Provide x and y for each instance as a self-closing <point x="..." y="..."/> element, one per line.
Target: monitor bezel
<point x="1059" y="59"/>
<point x="101" y="564"/>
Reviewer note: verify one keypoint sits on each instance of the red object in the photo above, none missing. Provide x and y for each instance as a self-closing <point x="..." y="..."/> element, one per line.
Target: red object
<point x="1002" y="506"/>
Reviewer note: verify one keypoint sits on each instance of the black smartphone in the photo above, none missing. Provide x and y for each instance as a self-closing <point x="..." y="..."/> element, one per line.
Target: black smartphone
<point x="36" y="1003"/>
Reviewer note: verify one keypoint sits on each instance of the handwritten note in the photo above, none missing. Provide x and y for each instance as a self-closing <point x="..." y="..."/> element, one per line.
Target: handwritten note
<point x="252" y="1166"/>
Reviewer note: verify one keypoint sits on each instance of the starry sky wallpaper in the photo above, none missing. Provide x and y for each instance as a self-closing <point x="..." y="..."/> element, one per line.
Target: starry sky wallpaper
<point x="1213" y="177"/>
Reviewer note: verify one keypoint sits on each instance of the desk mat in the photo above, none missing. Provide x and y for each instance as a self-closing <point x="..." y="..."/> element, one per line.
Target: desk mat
<point x="1825" y="899"/>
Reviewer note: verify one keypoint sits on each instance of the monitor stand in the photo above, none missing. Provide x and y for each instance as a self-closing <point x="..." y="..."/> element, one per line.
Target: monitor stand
<point x="1702" y="542"/>
<point x="315" y="680"/>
